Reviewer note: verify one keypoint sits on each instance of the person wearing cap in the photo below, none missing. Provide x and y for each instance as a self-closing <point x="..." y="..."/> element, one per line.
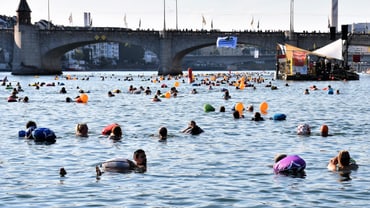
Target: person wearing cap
<point x="304" y="129"/>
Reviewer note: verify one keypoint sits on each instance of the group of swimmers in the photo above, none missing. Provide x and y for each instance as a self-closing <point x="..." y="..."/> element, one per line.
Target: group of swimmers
<point x="114" y="132"/>
<point x="14" y="94"/>
<point x="294" y="164"/>
<point x="329" y="89"/>
<point x="341" y="162"/>
<point x="284" y="164"/>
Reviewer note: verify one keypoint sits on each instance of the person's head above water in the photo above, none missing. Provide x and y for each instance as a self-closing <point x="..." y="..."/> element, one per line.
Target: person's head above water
<point x="82" y="129"/>
<point x="162" y="133"/>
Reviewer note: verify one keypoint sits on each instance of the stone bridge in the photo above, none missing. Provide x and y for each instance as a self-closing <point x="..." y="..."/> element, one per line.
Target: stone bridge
<point x="37" y="51"/>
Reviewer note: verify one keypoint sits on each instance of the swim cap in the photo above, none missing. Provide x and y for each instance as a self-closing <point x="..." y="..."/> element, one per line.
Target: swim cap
<point x="303" y="129"/>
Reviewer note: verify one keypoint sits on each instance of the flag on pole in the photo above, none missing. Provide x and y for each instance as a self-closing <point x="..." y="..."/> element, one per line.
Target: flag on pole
<point x="212" y="24"/>
<point x="204" y="20"/>
<point x="125" y="21"/>
<point x="139" y="23"/>
<point x="70" y="19"/>
<point x="252" y="22"/>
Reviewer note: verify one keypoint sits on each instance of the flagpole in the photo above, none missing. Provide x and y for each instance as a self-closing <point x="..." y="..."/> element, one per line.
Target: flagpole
<point x="292" y="16"/>
<point x="177" y="17"/>
<point x="48" y="14"/>
<point x="164" y="15"/>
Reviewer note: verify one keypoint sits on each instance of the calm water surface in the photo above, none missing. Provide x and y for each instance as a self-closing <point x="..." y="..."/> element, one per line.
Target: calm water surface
<point x="230" y="165"/>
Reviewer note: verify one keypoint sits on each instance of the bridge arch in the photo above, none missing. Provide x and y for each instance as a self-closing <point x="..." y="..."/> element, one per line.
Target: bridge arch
<point x="182" y="48"/>
<point x="54" y="46"/>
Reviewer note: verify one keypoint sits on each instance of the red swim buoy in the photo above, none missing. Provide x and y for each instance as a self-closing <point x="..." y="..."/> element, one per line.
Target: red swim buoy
<point x="190" y="75"/>
<point x="108" y="129"/>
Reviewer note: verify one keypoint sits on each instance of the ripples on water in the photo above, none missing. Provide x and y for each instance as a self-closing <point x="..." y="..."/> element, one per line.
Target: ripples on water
<point x="227" y="166"/>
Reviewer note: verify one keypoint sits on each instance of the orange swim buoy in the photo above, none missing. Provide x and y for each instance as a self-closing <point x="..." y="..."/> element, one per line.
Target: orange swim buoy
<point x="324" y="130"/>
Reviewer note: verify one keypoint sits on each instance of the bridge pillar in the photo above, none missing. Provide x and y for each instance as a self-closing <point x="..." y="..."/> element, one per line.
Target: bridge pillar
<point x="26" y="51"/>
<point x="168" y="66"/>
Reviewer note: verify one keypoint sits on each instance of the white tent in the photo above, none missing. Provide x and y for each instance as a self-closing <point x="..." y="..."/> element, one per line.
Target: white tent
<point x="333" y="50"/>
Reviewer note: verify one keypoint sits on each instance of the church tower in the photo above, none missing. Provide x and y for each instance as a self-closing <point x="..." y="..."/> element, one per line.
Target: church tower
<point x="24" y="13"/>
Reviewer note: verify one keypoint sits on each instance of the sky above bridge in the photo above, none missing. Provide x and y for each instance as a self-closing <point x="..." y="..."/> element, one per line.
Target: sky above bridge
<point x="309" y="15"/>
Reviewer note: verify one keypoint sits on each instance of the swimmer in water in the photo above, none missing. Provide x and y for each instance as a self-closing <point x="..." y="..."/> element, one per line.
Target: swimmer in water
<point x="139" y="165"/>
<point x="193" y="129"/>
<point x="342" y="162"/>
<point x="82" y="130"/>
<point x="162" y="134"/>
<point x="257" y="117"/>
<point x="116" y="133"/>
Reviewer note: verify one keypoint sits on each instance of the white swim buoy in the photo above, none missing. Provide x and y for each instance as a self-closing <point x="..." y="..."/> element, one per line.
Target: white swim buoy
<point x="118" y="165"/>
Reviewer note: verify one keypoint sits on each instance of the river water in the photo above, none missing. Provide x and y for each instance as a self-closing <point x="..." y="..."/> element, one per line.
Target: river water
<point x="229" y="165"/>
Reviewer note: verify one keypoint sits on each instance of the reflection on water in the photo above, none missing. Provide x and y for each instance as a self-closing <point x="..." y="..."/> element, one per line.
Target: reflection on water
<point x="344" y="175"/>
<point x="227" y="165"/>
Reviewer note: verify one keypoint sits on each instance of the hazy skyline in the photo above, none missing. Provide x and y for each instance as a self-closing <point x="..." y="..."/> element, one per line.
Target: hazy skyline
<point x="310" y="15"/>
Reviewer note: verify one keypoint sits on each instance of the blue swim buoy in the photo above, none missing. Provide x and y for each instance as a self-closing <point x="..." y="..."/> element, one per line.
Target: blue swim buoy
<point x="279" y="117"/>
<point x="21" y="133"/>
<point x="44" y="135"/>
